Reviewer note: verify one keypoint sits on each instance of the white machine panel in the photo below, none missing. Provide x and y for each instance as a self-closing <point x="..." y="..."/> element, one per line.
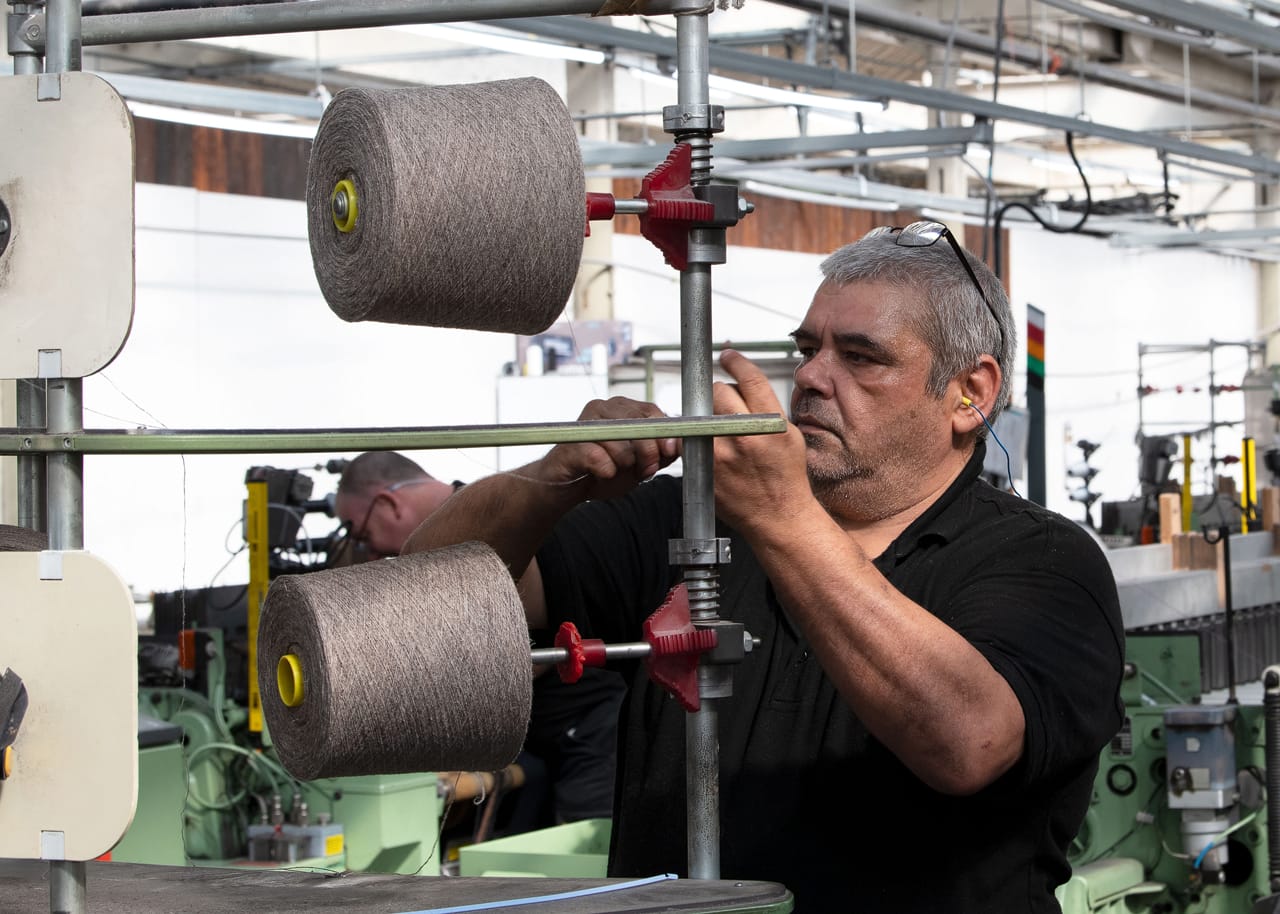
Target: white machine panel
<point x="66" y="196"/>
<point x="67" y="627"/>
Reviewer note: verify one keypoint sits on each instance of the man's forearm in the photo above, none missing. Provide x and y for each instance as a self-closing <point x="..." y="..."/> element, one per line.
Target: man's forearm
<point x="512" y="512"/>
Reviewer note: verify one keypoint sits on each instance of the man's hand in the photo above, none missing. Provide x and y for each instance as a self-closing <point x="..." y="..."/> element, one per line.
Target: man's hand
<point x="757" y="477"/>
<point x="605" y="469"/>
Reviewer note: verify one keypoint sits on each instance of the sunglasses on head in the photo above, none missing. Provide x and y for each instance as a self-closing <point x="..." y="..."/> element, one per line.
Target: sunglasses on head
<point x="926" y="234"/>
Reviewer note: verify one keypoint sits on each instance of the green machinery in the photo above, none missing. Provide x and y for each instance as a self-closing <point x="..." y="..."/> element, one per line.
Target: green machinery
<point x="211" y="790"/>
<point x="210" y="794"/>
<point x="1178" y="823"/>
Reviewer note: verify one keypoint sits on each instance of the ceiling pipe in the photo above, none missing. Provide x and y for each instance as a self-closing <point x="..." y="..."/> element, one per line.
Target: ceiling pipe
<point x="595" y="34"/>
<point x="1033" y="56"/>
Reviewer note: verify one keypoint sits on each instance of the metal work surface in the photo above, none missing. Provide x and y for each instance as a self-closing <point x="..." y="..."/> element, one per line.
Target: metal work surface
<point x="129" y="888"/>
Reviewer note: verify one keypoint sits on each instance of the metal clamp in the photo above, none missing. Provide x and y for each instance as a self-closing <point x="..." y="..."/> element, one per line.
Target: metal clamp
<point x="693" y="118"/>
<point x="23" y="29"/>
<point x="713" y="551"/>
<point x="733" y="641"/>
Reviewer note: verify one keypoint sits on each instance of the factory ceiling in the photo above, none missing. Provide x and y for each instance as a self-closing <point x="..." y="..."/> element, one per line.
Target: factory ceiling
<point x="1158" y="116"/>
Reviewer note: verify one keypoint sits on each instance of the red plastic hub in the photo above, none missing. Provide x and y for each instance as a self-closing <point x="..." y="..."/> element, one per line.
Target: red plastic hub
<point x="673" y="209"/>
<point x="583" y="652"/>
<point x="676" y="646"/>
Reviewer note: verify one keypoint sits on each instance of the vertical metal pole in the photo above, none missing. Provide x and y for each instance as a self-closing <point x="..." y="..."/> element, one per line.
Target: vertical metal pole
<point x="702" y="741"/>
<point x="1213" y="423"/>
<point x="67" y="878"/>
<point x="66" y="531"/>
<point x="62" y="44"/>
<point x="1225" y="533"/>
<point x="1271" y="705"/>
<point x="66" y="471"/>
<point x="32" y="509"/>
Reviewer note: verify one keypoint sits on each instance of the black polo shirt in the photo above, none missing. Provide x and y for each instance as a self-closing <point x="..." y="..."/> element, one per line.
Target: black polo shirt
<point x="808" y="797"/>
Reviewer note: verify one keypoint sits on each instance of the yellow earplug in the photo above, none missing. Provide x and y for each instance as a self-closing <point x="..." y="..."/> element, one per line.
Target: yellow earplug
<point x="965" y="400"/>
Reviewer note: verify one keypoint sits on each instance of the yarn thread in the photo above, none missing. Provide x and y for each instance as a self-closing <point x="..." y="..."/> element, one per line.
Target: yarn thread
<point x="22" y="539"/>
<point x="471" y="205"/>
<point x="414" y="663"/>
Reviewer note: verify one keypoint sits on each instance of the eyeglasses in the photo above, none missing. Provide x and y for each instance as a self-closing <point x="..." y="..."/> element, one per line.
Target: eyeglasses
<point x="926" y="234"/>
<point x="358" y="537"/>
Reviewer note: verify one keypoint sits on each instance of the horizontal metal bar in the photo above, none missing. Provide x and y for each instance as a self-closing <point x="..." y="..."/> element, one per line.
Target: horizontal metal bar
<point x="1032" y="55"/>
<point x="310" y="441"/>
<point x="597" y="34"/>
<point x="1173" y="239"/>
<point x="1251" y="32"/>
<point x="205" y="95"/>
<point x="300" y="16"/>
<point x="630" y="650"/>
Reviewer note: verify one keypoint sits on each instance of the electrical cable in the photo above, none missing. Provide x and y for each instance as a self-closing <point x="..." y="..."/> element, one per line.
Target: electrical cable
<point x="254" y="759"/>
<point x="1062" y="230"/>
<point x="996" y="438"/>
<point x="540" y="899"/>
<point x="1222" y="836"/>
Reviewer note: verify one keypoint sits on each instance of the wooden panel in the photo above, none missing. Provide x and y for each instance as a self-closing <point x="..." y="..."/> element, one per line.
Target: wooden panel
<point x="221" y="161"/>
<point x="1170" y="516"/>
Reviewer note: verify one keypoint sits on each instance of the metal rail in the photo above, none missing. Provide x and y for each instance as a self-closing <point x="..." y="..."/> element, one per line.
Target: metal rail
<point x="598" y="34"/>
<point x="309" y="16"/>
<point x="308" y="441"/>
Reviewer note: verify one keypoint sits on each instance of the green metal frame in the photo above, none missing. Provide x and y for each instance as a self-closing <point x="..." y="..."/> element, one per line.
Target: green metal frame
<point x="304" y="441"/>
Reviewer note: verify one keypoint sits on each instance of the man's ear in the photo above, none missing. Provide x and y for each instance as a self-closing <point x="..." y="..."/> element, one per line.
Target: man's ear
<point x="393" y="499"/>
<point x="978" y="389"/>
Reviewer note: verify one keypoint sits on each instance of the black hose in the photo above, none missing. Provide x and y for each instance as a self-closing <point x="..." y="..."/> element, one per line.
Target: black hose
<point x="1271" y="705"/>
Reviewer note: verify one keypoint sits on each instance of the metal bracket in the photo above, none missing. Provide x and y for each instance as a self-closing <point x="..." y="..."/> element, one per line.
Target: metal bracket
<point x="49" y="87"/>
<point x="704" y="119"/>
<point x="49" y="363"/>
<point x="717" y="551"/>
<point x="22" y="29"/>
<point x="732" y="641"/>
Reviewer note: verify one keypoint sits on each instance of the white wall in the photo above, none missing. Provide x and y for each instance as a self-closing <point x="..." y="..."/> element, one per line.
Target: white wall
<point x="1100" y="303"/>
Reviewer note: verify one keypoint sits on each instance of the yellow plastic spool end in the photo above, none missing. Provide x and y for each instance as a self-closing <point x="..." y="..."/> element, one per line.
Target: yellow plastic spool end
<point x="343" y="205"/>
<point x="289" y="680"/>
<point x="6" y="762"/>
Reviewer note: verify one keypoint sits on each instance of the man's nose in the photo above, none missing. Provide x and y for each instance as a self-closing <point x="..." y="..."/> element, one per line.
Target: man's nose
<point x="814" y="374"/>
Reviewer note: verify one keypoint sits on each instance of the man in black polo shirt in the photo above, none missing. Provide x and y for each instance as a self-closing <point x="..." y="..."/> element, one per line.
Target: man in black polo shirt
<point x="940" y="661"/>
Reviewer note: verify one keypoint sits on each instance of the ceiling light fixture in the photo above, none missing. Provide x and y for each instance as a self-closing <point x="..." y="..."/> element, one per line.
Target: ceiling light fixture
<point x="220" y="121"/>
